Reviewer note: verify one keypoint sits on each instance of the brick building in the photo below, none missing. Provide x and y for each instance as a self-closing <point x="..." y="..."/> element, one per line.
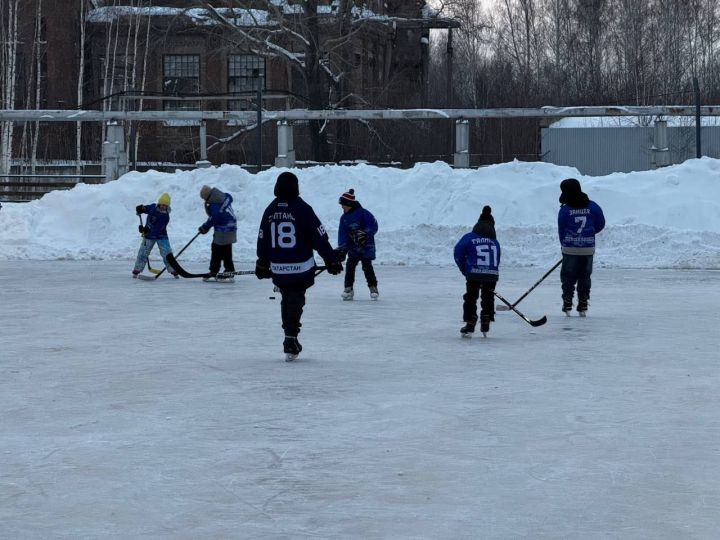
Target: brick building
<point x="175" y="56"/>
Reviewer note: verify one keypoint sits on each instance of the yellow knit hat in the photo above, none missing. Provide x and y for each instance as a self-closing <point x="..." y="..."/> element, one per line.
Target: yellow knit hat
<point x="164" y="199"/>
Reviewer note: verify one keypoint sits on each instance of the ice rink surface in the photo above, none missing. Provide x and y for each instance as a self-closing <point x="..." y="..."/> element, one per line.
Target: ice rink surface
<point x="165" y="410"/>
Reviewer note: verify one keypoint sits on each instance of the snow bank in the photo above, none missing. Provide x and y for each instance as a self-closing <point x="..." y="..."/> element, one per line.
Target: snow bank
<point x="656" y="219"/>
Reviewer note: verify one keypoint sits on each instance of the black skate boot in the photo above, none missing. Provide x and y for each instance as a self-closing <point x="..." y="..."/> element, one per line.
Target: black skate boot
<point x="567" y="305"/>
<point x="485" y="324"/>
<point x="468" y="330"/>
<point x="582" y="307"/>
<point x="292" y="348"/>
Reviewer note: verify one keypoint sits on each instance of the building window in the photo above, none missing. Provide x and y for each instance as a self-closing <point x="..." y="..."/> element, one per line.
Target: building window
<point x="244" y="70"/>
<point x="114" y="79"/>
<point x="181" y="77"/>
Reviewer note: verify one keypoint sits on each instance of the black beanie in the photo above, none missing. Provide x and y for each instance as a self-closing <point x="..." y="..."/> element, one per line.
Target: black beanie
<point x="286" y="186"/>
<point x="571" y="193"/>
<point x="486" y="224"/>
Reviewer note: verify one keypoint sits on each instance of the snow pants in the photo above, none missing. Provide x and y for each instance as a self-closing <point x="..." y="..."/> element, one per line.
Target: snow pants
<point x="145" y="249"/>
<point x="367" y="267"/>
<point x="485" y="290"/>
<point x="221" y="253"/>
<point x="291" y="308"/>
<point x="576" y="270"/>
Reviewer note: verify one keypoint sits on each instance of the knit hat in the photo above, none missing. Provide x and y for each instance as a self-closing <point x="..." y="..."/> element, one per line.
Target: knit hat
<point x="486" y="224"/>
<point x="571" y="193"/>
<point x="286" y="186"/>
<point x="205" y="192"/>
<point x="164" y="199"/>
<point x="348" y="198"/>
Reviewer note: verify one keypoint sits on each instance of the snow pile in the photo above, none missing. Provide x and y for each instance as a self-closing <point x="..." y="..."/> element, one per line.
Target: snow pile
<point x="664" y="218"/>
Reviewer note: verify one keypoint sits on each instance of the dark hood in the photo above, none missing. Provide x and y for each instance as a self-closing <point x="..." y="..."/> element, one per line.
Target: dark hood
<point x="286" y="187"/>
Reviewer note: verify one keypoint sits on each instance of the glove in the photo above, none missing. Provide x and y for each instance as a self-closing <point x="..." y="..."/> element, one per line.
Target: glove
<point x="262" y="270"/>
<point x="341" y="254"/>
<point x="143" y="230"/>
<point x="334" y="268"/>
<point x="202" y="229"/>
<point x="139" y="209"/>
<point x="361" y="237"/>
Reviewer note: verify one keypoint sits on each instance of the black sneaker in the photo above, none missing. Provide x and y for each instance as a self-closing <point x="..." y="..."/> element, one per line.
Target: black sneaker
<point x="467" y="330"/>
<point x="291" y="348"/>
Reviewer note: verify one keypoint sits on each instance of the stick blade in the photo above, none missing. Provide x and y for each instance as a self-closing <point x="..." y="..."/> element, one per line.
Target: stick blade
<point x="539" y="322"/>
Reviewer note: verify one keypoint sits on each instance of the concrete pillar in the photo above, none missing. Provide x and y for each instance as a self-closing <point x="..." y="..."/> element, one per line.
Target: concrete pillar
<point x="660" y="150"/>
<point x="286" y="146"/>
<point x="203" y="163"/>
<point x="115" y="156"/>
<point x="462" y="144"/>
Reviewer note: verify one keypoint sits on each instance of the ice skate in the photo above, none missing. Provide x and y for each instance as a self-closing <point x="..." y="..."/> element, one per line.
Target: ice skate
<point x="135" y="274"/>
<point x="485" y="326"/>
<point x="348" y="294"/>
<point x="227" y="278"/>
<point x="567" y="306"/>
<point x="292" y="348"/>
<point x="582" y="307"/>
<point x="468" y="330"/>
<point x="210" y="277"/>
<point x="374" y="293"/>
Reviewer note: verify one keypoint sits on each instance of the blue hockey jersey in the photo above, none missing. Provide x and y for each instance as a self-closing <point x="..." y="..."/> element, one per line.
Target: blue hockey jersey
<point x="289" y="232"/>
<point x="577" y="228"/>
<point x="220" y="212"/>
<point x="156" y="222"/>
<point x="478" y="257"/>
<point x="357" y="219"/>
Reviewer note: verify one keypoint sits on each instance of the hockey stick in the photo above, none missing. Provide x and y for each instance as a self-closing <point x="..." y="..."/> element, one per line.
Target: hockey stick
<point x="150" y="268"/>
<point x="538" y="322"/>
<point x="172" y="261"/>
<point x="539" y="281"/>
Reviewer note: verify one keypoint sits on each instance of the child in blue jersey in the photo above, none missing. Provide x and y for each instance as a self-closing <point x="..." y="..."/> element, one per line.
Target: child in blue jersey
<point x="477" y="255"/>
<point x="154" y="232"/>
<point x="218" y="207"/>
<point x="356" y="238"/>
<point x="579" y="220"/>
<point x="290" y="232"/>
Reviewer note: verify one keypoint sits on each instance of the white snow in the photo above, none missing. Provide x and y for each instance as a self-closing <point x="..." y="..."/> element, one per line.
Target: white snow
<point x="631" y="121"/>
<point x="669" y="218"/>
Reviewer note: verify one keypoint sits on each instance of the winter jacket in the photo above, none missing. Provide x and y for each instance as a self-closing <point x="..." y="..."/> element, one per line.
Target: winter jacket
<point x="478" y="257"/>
<point x="289" y="232"/>
<point x="156" y="222"/>
<point x="577" y="228"/>
<point x="357" y="219"/>
<point x="218" y="207"/>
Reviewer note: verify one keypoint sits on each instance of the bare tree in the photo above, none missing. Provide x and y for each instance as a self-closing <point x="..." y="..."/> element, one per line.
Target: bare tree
<point x="8" y="68"/>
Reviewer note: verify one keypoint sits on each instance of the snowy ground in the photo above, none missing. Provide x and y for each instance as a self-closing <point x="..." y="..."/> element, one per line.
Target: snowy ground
<point x="165" y="410"/>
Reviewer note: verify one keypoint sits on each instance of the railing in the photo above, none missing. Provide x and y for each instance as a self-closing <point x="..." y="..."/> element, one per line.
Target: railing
<point x="17" y="191"/>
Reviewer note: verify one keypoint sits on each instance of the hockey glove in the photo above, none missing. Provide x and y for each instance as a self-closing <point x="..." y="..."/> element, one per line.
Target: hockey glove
<point x="139" y="209"/>
<point x="334" y="268"/>
<point x="361" y="237"/>
<point x="143" y="230"/>
<point x="341" y="254"/>
<point x="262" y="270"/>
<point x="202" y="229"/>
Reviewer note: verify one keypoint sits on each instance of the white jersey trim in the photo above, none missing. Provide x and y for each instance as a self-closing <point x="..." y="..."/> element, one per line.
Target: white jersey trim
<point x="293" y="268"/>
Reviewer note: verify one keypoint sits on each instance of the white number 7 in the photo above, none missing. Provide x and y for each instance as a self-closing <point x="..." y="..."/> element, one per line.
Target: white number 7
<point x="582" y="220"/>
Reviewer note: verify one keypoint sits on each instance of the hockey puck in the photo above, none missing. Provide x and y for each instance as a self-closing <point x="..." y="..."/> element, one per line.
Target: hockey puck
<point x="271" y="298"/>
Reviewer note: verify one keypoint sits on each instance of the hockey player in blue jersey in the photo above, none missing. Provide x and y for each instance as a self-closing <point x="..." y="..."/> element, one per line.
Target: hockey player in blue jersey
<point x="289" y="233"/>
<point x="356" y="238"/>
<point x="154" y="232"/>
<point x="218" y="207"/>
<point x="579" y="220"/>
<point x="477" y="255"/>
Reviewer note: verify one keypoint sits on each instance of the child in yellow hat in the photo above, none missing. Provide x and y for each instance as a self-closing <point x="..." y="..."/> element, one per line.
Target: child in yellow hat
<point x="154" y="232"/>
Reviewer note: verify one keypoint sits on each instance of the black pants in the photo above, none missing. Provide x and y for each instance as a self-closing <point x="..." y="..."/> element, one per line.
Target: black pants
<point x="576" y="269"/>
<point x="221" y="253"/>
<point x="291" y="308"/>
<point x="487" y="301"/>
<point x="367" y="267"/>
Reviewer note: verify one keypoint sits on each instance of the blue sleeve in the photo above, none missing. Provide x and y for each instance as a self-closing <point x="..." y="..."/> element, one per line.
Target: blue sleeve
<point x="459" y="254"/>
<point x="599" y="217"/>
<point x="497" y="244"/>
<point x="213" y="212"/>
<point x="343" y="238"/>
<point x="370" y="224"/>
<point x="561" y="222"/>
